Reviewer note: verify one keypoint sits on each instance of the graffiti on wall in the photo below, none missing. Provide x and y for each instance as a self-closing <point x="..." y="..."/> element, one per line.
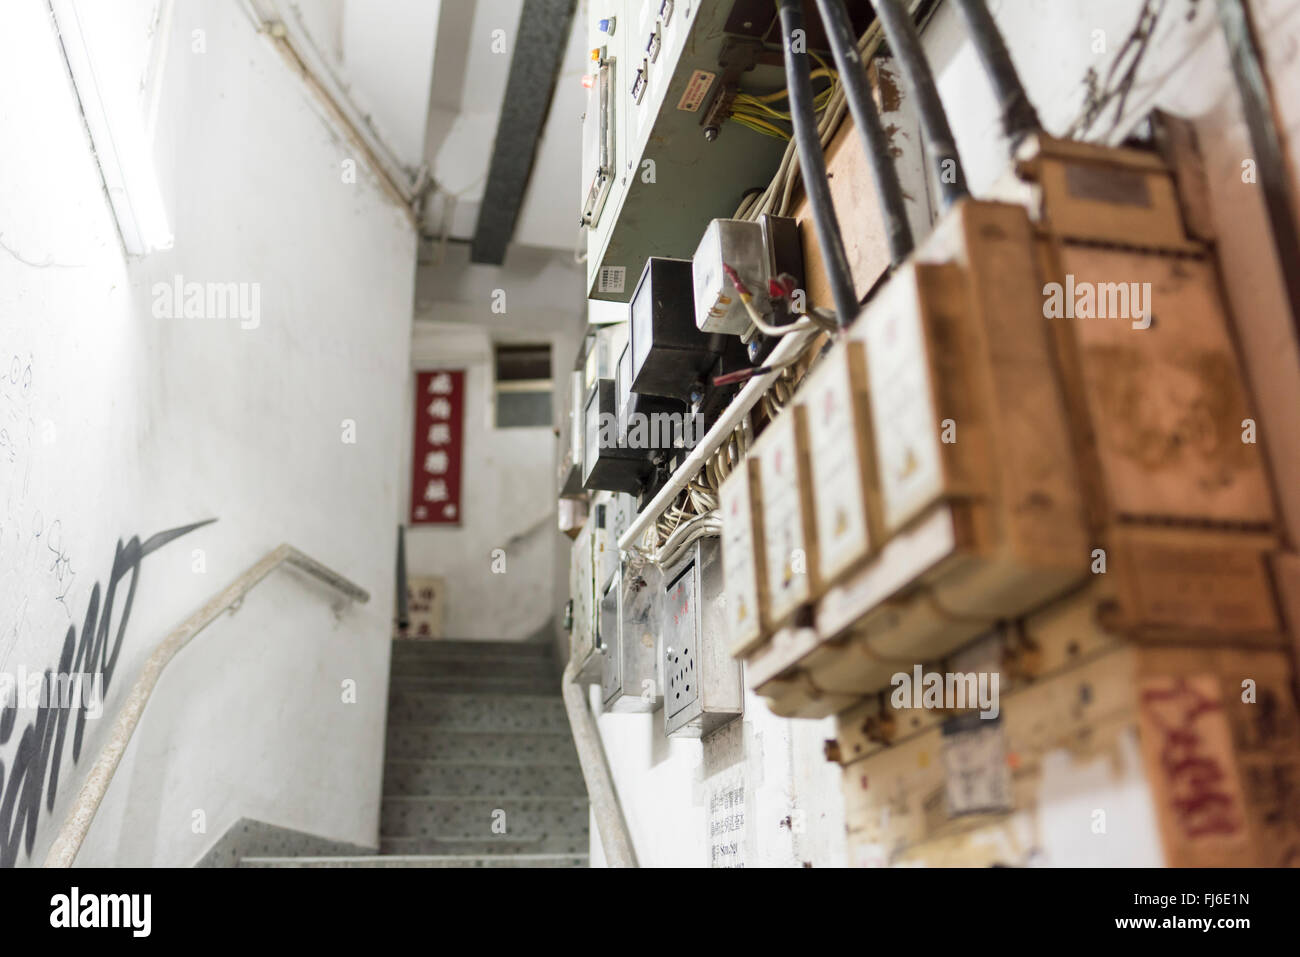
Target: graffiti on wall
<point x="32" y="779"/>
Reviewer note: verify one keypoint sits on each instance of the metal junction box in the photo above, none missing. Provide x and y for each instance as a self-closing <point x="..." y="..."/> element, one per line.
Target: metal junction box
<point x="630" y="621"/>
<point x="669" y="354"/>
<point x="703" y="687"/>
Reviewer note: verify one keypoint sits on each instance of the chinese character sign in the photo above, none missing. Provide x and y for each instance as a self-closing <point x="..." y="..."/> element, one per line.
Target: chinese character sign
<point x="439" y="437"/>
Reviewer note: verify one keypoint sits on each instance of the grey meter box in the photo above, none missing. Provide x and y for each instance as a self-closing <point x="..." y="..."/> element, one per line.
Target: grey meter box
<point x="630" y="618"/>
<point x="703" y="684"/>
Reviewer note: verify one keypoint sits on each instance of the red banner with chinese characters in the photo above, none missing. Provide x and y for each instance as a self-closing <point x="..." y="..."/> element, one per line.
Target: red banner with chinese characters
<point x="439" y="440"/>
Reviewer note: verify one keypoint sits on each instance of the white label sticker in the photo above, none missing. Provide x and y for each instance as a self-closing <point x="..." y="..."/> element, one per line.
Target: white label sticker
<point x="784" y="544"/>
<point x="977" y="780"/>
<point x="739" y="569"/>
<point x="697" y="88"/>
<point x="833" y="434"/>
<point x="612" y="279"/>
<point x="727" y="823"/>
<point x="902" y="410"/>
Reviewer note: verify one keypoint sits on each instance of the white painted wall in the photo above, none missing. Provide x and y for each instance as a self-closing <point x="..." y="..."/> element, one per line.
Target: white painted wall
<point x="508" y="482"/>
<point x="793" y="807"/>
<point x="115" y="422"/>
<point x="663" y="784"/>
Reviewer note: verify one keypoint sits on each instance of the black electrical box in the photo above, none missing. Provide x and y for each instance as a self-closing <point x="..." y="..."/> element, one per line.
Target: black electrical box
<point x="670" y="355"/>
<point x="606" y="465"/>
<point x="648" y="424"/>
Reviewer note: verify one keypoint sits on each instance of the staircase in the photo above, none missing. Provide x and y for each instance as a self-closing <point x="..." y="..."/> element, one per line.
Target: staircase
<point x="480" y="768"/>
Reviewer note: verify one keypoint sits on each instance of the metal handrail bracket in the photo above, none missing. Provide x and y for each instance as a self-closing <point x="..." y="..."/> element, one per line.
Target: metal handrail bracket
<point x="82" y="814"/>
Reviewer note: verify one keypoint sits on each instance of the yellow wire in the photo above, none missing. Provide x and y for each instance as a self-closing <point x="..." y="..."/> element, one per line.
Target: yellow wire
<point x="825" y="71"/>
<point x="760" y="126"/>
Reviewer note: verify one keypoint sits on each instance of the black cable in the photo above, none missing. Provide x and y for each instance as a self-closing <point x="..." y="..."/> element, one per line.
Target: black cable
<point x="853" y="77"/>
<point x="939" y="142"/>
<point x="813" y="164"/>
<point x="1019" y="118"/>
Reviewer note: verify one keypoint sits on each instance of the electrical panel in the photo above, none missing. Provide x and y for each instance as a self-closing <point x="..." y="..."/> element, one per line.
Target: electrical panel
<point x="703" y="687"/>
<point x="583" y="654"/>
<point x="630" y="622"/>
<point x="669" y="354"/>
<point x="657" y="164"/>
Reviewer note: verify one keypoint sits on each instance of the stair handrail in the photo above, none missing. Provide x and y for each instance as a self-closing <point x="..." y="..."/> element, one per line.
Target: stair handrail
<point x="611" y="824"/>
<point x="82" y="813"/>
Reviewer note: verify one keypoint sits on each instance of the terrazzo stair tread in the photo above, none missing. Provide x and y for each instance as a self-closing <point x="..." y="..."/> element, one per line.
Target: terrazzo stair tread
<point x="502" y="847"/>
<point x="412" y="778"/>
<point x="436" y="743"/>
<point x="478" y="666"/>
<point x="445" y="648"/>
<point x="442" y="816"/>
<point x="479" y="712"/>
<point x="425" y="860"/>
<point x="432" y="684"/>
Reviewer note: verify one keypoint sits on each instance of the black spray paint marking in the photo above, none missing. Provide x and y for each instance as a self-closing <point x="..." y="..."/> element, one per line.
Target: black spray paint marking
<point x="36" y="765"/>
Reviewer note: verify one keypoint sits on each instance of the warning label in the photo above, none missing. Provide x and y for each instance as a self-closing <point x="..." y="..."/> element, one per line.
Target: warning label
<point x="697" y="88"/>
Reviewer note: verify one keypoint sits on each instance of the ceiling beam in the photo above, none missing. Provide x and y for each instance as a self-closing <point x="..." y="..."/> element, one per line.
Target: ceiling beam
<point x="539" y="48"/>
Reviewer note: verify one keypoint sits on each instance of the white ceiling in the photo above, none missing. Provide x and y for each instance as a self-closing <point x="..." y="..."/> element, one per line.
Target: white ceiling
<point x="428" y="74"/>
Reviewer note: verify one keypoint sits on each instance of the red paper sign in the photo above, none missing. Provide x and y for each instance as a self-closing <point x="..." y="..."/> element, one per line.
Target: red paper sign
<point x="439" y="440"/>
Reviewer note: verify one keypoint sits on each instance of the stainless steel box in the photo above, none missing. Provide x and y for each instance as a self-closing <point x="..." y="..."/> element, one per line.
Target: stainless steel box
<point x="703" y="686"/>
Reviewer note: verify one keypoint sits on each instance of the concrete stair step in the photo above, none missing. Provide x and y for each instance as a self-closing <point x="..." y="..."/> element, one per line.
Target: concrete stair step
<point x="406" y="685"/>
<point x="497" y="747"/>
<point x="478" y="712"/>
<point x="444" y="648"/>
<point x="475" y="818"/>
<point x="415" y="777"/>
<point x="504" y="846"/>
<point x="472" y="666"/>
<point x="424" y="860"/>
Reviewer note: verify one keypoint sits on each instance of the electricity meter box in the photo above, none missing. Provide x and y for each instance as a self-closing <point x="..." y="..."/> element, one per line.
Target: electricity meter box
<point x="703" y="684"/>
<point x="583" y="654"/>
<point x="968" y="504"/>
<point x="647" y="424"/>
<point x="757" y="251"/>
<point x="607" y="463"/>
<point x="1138" y="315"/>
<point x="669" y="354"/>
<point x="630" y="622"/>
